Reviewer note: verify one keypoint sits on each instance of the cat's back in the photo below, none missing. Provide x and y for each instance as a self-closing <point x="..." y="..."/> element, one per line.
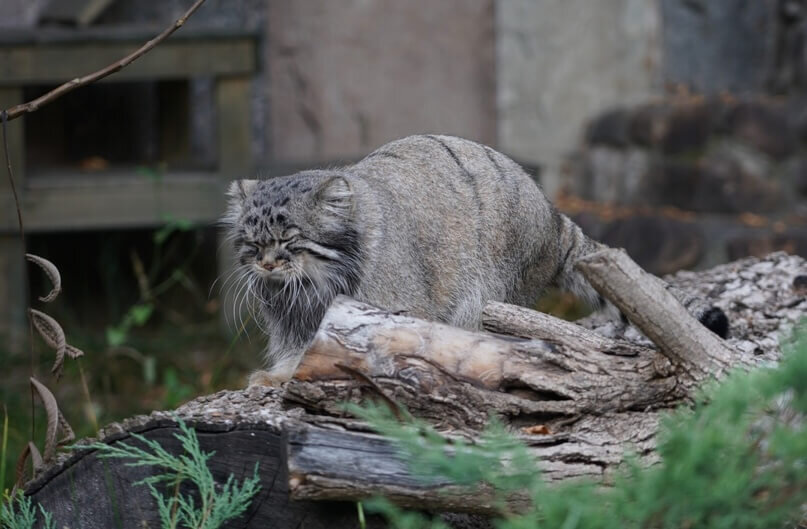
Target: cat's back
<point x="454" y="221"/>
<point x="460" y="177"/>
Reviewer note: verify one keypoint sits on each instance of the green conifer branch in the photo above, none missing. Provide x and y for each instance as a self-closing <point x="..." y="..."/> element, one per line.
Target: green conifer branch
<point x="218" y="502"/>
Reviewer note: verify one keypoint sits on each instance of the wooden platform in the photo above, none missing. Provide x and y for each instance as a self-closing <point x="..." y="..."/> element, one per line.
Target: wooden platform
<point x="117" y="198"/>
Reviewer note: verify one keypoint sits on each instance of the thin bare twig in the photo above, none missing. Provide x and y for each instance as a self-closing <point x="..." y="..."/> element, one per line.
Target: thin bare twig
<point x="21" y="226"/>
<point x="398" y="410"/>
<point x="33" y="105"/>
<point x="5" y="118"/>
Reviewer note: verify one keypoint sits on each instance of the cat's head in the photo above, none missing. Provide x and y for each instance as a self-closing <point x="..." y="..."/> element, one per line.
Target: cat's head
<point x="294" y="228"/>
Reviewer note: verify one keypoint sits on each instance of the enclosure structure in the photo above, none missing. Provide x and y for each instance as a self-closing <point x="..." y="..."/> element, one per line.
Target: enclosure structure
<point x="60" y="192"/>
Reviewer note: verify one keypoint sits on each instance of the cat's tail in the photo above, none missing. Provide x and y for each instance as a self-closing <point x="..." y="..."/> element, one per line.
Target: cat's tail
<point x="575" y="244"/>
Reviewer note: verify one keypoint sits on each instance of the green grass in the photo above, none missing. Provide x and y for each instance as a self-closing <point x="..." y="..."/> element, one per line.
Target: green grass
<point x="160" y="367"/>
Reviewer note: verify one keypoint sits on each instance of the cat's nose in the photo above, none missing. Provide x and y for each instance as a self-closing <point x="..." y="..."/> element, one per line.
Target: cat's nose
<point x="271" y="265"/>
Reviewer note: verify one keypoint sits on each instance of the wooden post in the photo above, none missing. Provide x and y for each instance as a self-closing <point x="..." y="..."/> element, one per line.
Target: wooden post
<point x="13" y="291"/>
<point x="235" y="157"/>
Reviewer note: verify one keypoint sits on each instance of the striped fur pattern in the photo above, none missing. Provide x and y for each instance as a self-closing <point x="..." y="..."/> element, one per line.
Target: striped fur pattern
<point x="431" y="225"/>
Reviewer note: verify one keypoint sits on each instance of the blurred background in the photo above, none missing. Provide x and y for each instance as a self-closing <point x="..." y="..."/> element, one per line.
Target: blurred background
<point x="673" y="128"/>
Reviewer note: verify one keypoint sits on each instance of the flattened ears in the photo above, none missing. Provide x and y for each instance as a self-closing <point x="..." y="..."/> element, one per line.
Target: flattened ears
<point x="335" y="196"/>
<point x="239" y="189"/>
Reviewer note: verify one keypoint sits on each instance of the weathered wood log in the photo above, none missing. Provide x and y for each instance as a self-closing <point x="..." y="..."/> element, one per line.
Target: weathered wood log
<point x="326" y="465"/>
<point x="578" y="372"/>
<point x="644" y="299"/>
<point x="464" y="376"/>
<point x="289" y="429"/>
<point x="505" y="319"/>
<point x="318" y="471"/>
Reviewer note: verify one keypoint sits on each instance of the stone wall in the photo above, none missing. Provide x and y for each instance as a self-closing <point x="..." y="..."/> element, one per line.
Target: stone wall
<point x="561" y="61"/>
<point x="692" y="181"/>
<point x="346" y="76"/>
<point x="714" y="166"/>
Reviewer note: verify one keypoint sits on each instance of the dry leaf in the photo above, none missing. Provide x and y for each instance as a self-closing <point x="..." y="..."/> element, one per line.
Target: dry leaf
<point x="36" y="457"/>
<point x="52" y="411"/>
<point x="538" y="429"/>
<point x="31" y="451"/>
<point x="93" y="163"/>
<point x="69" y="435"/>
<point x="53" y="335"/>
<point x="73" y="352"/>
<point x="51" y="271"/>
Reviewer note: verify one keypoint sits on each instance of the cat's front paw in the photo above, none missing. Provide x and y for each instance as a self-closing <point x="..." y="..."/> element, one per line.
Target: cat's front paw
<point x="267" y="378"/>
<point x="716" y="321"/>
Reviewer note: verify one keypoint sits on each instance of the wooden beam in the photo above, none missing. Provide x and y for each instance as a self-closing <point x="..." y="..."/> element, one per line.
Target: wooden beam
<point x="52" y="63"/>
<point x="108" y="201"/>
<point x="76" y="12"/>
<point x="234" y="107"/>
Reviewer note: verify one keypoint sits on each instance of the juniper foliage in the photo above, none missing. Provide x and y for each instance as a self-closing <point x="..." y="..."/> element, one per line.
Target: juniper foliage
<point x="18" y="512"/>
<point x="736" y="459"/>
<point x="218" y="503"/>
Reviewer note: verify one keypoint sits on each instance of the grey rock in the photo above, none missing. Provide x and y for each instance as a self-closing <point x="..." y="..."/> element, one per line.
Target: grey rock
<point x="801" y="177"/>
<point x="763" y="126"/>
<point x="610" y="128"/>
<point x="716" y="184"/>
<point x="674" y="127"/>
<point x="613" y="175"/>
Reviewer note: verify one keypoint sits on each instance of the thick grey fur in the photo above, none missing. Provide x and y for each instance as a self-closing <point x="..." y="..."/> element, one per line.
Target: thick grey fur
<point x="431" y="225"/>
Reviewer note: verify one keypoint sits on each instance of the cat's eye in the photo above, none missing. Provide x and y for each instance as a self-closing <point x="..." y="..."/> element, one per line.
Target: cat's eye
<point x="288" y="238"/>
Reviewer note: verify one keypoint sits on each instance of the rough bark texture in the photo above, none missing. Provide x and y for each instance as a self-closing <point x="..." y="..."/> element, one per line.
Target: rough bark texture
<point x="599" y="390"/>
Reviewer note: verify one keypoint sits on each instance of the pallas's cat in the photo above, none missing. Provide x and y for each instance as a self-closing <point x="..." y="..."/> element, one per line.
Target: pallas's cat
<point x="431" y="225"/>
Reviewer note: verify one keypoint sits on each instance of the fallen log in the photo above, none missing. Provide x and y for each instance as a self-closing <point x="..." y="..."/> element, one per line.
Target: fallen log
<point x="598" y="395"/>
<point x="458" y="378"/>
<point x="597" y="389"/>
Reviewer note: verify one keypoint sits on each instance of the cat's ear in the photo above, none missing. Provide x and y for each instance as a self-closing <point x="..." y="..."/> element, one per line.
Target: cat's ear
<point x="335" y="196"/>
<point x="240" y="189"/>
